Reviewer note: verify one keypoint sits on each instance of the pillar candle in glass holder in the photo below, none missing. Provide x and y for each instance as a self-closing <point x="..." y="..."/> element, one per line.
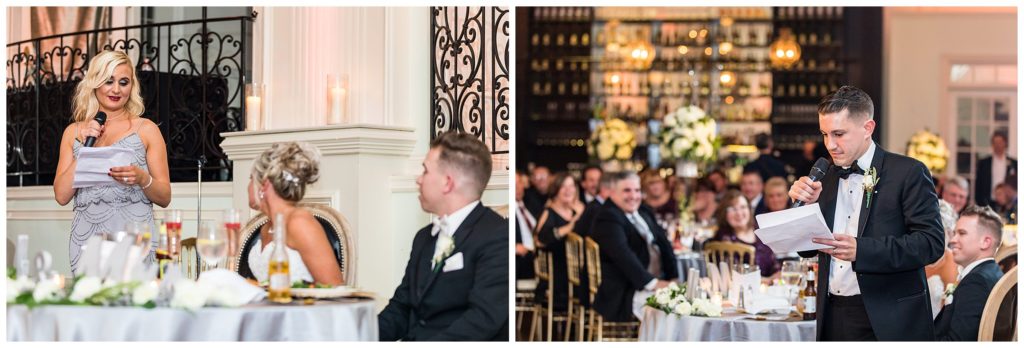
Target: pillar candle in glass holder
<point x="253" y="106"/>
<point x="337" y="98"/>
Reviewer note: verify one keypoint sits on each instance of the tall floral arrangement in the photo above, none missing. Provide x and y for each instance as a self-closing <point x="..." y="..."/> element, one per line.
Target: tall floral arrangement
<point x="930" y="149"/>
<point x="688" y="133"/>
<point x="612" y="140"/>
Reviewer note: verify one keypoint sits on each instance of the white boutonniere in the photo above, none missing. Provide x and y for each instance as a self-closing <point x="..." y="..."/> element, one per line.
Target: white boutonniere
<point x="950" y="288"/>
<point x="870" y="180"/>
<point x="447" y="244"/>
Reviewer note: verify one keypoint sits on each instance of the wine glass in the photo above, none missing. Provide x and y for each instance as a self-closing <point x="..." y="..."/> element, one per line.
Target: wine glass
<point x="174" y="232"/>
<point x="792" y="275"/>
<point x="141" y="232"/>
<point x="212" y="244"/>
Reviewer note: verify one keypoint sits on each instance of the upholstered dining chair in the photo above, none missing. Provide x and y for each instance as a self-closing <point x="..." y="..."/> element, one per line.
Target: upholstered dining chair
<point x="999" y="318"/>
<point x="730" y="253"/>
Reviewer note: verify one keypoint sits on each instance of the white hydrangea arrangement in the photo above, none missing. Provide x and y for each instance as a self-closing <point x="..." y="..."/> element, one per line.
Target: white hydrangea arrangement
<point x="930" y="149"/>
<point x="688" y="133"/>
<point x="672" y="300"/>
<point x="612" y="140"/>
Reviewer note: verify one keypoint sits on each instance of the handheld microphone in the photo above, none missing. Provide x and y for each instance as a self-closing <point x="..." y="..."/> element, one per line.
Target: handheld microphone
<point x="101" y="118"/>
<point x="817" y="172"/>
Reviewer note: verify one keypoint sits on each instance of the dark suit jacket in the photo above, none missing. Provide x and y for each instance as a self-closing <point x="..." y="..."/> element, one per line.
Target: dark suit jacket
<point x="983" y="181"/>
<point x="524" y="264"/>
<point x="959" y="321"/>
<point x="583" y="228"/>
<point x="768" y="166"/>
<point x="470" y="304"/>
<point x="624" y="260"/>
<point x="534" y="201"/>
<point x="898" y="235"/>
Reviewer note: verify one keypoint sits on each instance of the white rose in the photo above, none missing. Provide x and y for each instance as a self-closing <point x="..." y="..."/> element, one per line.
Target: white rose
<point x="224" y="297"/>
<point x="680" y="146"/>
<point x="605" y="150"/>
<point x="46" y="290"/>
<point x="16" y="287"/>
<point x="624" y="152"/>
<point x="670" y="120"/>
<point x="673" y="286"/>
<point x="188" y="295"/>
<point x="683" y="308"/>
<point x="662" y="298"/>
<point x="144" y="293"/>
<point x="85" y="288"/>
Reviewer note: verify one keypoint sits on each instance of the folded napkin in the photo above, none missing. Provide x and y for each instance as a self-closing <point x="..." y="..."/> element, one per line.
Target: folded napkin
<point x="763" y="303"/>
<point x="231" y="289"/>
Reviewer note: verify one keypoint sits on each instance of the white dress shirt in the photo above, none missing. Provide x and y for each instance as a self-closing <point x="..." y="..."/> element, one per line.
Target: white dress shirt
<point x="445" y="226"/>
<point x="998" y="173"/>
<point x="842" y="280"/>
<point x="754" y="202"/>
<point x="970" y="267"/>
<point x="526" y="225"/>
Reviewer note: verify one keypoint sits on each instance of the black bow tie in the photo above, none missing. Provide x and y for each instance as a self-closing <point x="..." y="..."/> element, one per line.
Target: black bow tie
<point x="854" y="169"/>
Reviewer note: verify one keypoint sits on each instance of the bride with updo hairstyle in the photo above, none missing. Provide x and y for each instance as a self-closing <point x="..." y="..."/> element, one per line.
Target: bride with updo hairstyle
<point x="278" y="182"/>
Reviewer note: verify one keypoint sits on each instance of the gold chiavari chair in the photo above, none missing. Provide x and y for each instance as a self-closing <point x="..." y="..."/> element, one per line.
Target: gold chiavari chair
<point x="545" y="306"/>
<point x="999" y="318"/>
<point x="189" y="261"/>
<point x="525" y="305"/>
<point x="1006" y="257"/>
<point x="730" y="253"/>
<point x="601" y="330"/>
<point x="576" y="312"/>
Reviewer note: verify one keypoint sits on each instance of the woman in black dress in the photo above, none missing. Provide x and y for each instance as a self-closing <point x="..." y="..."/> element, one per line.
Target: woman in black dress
<point x="557" y="220"/>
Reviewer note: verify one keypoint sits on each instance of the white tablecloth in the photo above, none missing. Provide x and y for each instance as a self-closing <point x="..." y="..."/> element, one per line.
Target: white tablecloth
<point x="658" y="326"/>
<point x="343" y="320"/>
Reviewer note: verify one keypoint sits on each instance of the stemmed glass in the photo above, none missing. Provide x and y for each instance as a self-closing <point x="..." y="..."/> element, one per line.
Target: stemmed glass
<point x="792" y="276"/>
<point x="232" y="224"/>
<point x="212" y="244"/>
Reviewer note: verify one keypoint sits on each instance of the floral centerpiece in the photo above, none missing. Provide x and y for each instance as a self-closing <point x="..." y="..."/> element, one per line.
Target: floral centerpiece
<point x="689" y="134"/>
<point x="612" y="140"/>
<point x="672" y="300"/>
<point x="930" y="149"/>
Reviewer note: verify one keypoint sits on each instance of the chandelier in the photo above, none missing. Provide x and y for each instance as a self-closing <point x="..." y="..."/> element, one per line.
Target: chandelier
<point x="785" y="51"/>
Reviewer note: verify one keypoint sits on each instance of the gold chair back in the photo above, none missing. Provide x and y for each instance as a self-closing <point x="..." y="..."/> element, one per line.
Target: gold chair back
<point x="189" y="261"/>
<point x="1006" y="257"/>
<point x="573" y="257"/>
<point x="999" y="318"/>
<point x="593" y="255"/>
<point x="731" y="253"/>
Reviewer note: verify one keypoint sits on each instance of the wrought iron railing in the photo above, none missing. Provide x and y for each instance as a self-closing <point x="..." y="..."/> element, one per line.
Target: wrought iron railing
<point x="470" y="73"/>
<point x="192" y="86"/>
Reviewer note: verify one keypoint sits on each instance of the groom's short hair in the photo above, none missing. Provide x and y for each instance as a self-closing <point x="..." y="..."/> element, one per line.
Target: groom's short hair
<point x="988" y="220"/>
<point x="848" y="98"/>
<point x="464" y="153"/>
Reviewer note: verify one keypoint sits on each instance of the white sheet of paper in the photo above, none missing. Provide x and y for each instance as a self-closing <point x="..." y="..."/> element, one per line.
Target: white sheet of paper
<point x="94" y="163"/>
<point x="792" y="229"/>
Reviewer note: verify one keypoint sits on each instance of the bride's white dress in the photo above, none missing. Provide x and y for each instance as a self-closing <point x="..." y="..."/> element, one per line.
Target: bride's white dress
<point x="259" y="263"/>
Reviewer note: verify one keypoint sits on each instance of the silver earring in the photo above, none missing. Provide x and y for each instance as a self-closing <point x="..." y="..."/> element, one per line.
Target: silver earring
<point x="261" y="194"/>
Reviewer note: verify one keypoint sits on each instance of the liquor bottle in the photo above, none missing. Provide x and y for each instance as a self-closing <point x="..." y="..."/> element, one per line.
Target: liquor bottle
<point x="280" y="279"/>
<point x="810" y="297"/>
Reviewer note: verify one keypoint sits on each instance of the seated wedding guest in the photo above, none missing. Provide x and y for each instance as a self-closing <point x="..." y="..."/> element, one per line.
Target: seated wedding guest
<point x="110" y="86"/>
<point x="525" y="224"/>
<point x="557" y="220"/>
<point x="752" y="187"/>
<point x="974" y="243"/>
<point x="719" y="182"/>
<point x="658" y="198"/>
<point x="766" y="165"/>
<point x="704" y="203"/>
<point x="584" y="225"/>
<point x="589" y="183"/>
<point x="944" y="270"/>
<point x="954" y="191"/>
<point x="537" y="194"/>
<point x="635" y="254"/>
<point x="776" y="196"/>
<point x="735" y="225"/>
<point x="1005" y="202"/>
<point x="455" y="286"/>
<point x="278" y="182"/>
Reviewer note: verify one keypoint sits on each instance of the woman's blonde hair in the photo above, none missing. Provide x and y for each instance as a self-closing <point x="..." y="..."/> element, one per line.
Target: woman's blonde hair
<point x="289" y="167"/>
<point x="101" y="68"/>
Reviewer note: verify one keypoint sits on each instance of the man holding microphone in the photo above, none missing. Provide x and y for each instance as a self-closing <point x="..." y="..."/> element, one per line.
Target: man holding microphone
<point x="884" y="215"/>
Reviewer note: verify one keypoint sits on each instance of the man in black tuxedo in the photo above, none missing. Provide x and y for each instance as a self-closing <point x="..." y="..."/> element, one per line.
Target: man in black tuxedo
<point x="455" y="286"/>
<point x="766" y="164"/>
<point x="536" y="196"/>
<point x="752" y="188"/>
<point x="993" y="170"/>
<point x="635" y="253"/>
<point x="590" y="183"/>
<point x="871" y="277"/>
<point x="977" y="236"/>
<point x="584" y="225"/>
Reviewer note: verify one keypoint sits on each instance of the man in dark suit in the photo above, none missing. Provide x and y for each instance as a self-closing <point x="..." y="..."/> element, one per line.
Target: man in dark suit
<point x="752" y="188"/>
<point x="584" y="225"/>
<point x="871" y="276"/>
<point x="977" y="236"/>
<point x="635" y="253"/>
<point x="455" y="286"/>
<point x="766" y="164"/>
<point x="525" y="223"/>
<point x="993" y="170"/>
<point x="537" y="194"/>
<point x="589" y="183"/>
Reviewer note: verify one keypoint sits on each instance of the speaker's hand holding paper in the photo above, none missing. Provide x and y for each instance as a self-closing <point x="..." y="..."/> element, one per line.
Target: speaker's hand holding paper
<point x="94" y="164"/>
<point x="793" y="229"/>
